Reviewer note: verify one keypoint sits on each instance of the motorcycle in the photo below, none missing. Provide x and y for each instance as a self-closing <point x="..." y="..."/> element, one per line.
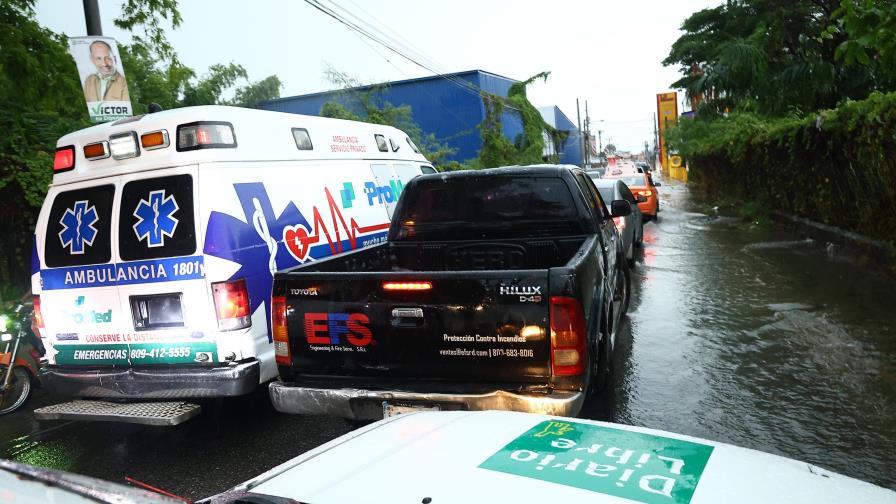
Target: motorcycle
<point x="19" y="361"/>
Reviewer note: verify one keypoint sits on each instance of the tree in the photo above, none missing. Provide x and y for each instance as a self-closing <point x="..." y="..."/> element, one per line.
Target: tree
<point x="870" y="27"/>
<point x="772" y="56"/>
<point x="41" y="99"/>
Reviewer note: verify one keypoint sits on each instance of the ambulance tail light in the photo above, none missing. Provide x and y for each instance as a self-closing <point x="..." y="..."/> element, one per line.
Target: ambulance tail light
<point x="278" y="330"/>
<point x="232" y="305"/>
<point x="567" y="336"/>
<point x="37" y="318"/>
<point x="64" y="160"/>
<point x="205" y="135"/>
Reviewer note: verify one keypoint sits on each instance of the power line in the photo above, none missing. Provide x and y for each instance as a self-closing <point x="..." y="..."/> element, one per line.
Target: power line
<point x="397" y="40"/>
<point x="354" y="26"/>
<point x="358" y="29"/>
<point x="461" y="133"/>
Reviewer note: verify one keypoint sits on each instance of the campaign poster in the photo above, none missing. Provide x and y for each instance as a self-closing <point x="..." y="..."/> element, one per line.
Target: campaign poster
<point x="102" y="78"/>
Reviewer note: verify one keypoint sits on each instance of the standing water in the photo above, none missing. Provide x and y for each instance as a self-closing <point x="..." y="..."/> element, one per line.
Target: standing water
<point x="761" y="339"/>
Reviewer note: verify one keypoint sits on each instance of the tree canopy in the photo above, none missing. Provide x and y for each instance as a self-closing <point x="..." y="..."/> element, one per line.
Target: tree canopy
<point x="41" y="99"/>
<point x="779" y="57"/>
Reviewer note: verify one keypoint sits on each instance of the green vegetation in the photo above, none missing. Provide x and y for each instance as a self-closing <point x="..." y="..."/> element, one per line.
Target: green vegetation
<point x="835" y="167"/>
<point x="527" y="148"/>
<point x="41" y="99"/>
<point x="798" y="111"/>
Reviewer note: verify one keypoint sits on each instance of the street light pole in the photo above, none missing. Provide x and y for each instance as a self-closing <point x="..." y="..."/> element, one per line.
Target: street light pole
<point x="92" y="17"/>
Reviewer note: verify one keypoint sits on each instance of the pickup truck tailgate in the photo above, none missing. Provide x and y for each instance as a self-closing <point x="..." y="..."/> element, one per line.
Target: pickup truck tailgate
<point x="436" y="325"/>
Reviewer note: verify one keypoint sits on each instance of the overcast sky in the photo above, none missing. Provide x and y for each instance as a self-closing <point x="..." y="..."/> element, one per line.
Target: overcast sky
<point x="606" y="53"/>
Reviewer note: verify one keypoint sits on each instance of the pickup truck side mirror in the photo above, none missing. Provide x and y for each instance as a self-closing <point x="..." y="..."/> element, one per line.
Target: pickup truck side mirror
<point x="620" y="208"/>
<point x="657" y="184"/>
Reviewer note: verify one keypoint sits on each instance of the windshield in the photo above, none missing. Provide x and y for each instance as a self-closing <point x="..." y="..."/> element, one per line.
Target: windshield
<point x="607" y="194"/>
<point x="498" y="206"/>
<point x="634" y="181"/>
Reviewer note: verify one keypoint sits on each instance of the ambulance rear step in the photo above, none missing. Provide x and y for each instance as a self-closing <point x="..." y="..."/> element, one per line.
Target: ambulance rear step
<point x="146" y="413"/>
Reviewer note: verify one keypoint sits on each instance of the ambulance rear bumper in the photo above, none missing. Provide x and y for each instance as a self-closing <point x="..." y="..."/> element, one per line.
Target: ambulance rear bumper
<point x="153" y="382"/>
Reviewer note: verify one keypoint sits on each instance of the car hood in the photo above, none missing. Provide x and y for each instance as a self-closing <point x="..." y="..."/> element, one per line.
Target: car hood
<point x="505" y="456"/>
<point x="26" y="484"/>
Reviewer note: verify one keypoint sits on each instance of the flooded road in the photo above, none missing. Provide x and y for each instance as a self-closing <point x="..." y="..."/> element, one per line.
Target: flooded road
<point x="762" y="339"/>
<point x="754" y="337"/>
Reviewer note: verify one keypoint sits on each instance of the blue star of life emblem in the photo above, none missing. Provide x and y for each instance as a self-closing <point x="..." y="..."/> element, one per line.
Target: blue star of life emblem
<point x="156" y="218"/>
<point x="78" y="229"/>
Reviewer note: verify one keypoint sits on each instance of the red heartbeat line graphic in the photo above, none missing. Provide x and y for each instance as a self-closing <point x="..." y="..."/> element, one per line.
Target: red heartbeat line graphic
<point x="299" y="242"/>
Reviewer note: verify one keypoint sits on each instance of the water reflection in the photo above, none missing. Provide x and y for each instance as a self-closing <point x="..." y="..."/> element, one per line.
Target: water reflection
<point x="758" y="338"/>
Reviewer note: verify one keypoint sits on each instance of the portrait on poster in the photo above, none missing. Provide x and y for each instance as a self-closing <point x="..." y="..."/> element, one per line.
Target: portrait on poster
<point x="102" y="77"/>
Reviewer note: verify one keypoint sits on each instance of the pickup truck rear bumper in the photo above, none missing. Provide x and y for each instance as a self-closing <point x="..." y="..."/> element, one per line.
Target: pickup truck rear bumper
<point x="168" y="382"/>
<point x="361" y="404"/>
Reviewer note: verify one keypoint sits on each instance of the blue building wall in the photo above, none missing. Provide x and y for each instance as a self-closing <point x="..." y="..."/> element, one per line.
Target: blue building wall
<point x="571" y="152"/>
<point x="572" y="149"/>
<point x="446" y="109"/>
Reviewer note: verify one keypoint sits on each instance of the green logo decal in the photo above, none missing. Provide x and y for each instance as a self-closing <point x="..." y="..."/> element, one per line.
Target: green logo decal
<point x="631" y="465"/>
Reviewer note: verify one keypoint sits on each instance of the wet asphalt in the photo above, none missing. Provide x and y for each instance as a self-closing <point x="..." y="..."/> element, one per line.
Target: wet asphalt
<point x="736" y="333"/>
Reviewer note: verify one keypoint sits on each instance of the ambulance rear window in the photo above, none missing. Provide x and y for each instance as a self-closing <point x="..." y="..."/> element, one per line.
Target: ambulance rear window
<point x="156" y="218"/>
<point x="78" y="230"/>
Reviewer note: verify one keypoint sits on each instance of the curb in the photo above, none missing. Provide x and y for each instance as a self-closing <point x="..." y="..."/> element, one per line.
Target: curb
<point x="880" y="251"/>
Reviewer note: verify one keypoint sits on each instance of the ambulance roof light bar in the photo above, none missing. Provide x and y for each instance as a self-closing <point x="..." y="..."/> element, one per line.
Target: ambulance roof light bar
<point x="124" y="145"/>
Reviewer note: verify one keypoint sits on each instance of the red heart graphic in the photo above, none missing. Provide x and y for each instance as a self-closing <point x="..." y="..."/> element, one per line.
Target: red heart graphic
<point x="297" y="241"/>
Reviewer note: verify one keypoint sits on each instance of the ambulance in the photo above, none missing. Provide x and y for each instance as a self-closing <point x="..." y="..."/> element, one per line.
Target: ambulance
<point x="154" y="250"/>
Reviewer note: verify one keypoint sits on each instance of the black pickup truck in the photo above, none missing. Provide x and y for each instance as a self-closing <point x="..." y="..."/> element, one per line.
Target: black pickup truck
<point x="496" y="289"/>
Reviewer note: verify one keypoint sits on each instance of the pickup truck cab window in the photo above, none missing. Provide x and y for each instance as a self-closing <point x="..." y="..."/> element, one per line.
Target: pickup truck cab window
<point x="461" y="208"/>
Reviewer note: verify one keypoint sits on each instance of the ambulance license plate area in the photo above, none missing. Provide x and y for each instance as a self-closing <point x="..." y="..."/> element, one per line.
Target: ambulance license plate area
<point x="157" y="311"/>
<point x="391" y="410"/>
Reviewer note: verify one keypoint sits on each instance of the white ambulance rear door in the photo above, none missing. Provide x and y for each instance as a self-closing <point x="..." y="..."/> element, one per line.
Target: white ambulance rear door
<point x="79" y="298"/>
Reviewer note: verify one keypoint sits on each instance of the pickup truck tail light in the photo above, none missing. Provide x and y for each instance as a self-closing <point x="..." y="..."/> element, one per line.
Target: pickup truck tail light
<point x="232" y="305"/>
<point x="278" y="329"/>
<point x="567" y="336"/>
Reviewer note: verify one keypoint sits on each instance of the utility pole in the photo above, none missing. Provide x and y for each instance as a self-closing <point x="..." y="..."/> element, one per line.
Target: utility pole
<point x="655" y="143"/>
<point x="581" y="139"/>
<point x="587" y="137"/>
<point x="92" y="17"/>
